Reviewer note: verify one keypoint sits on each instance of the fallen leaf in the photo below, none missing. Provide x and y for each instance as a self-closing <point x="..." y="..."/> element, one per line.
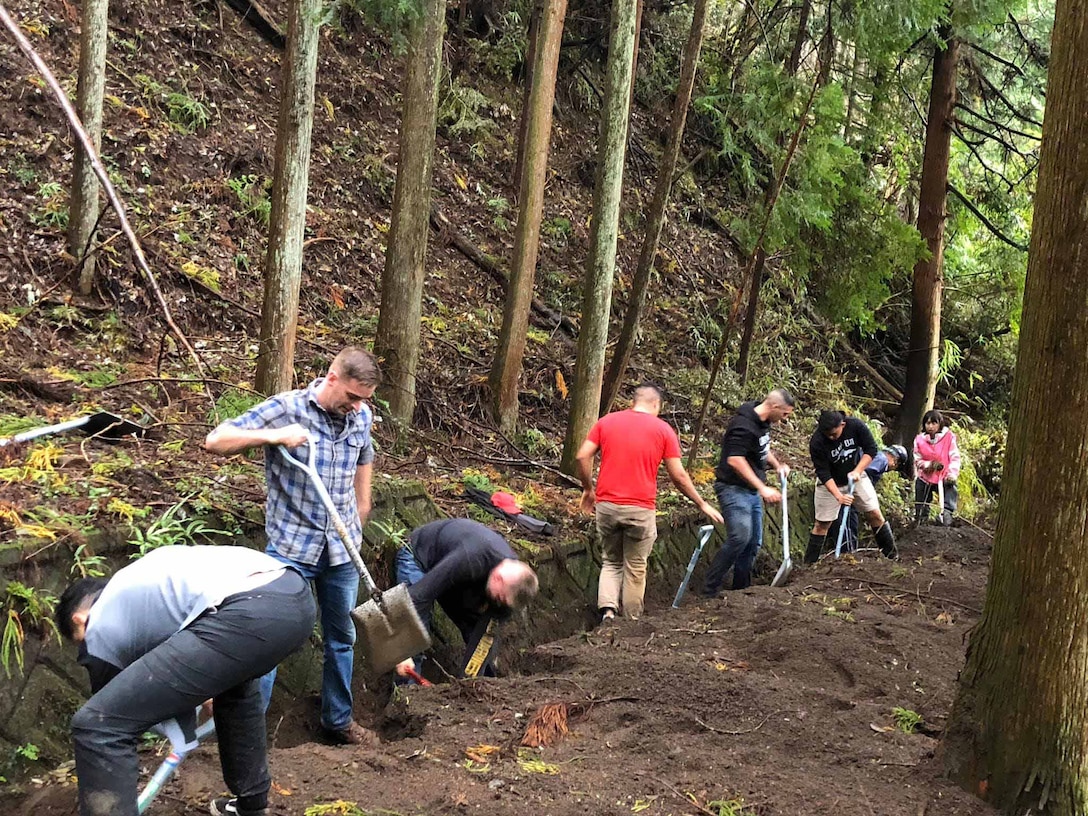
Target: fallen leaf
<point x="881" y="729"/>
<point x="561" y="384"/>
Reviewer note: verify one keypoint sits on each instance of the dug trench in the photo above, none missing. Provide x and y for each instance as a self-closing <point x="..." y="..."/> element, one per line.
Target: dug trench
<point x="827" y="696"/>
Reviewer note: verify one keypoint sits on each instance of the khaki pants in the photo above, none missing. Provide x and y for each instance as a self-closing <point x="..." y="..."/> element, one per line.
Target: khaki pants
<point x="627" y="536"/>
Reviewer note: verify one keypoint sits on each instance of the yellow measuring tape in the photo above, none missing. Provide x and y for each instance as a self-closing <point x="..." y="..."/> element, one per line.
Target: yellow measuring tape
<point x="483" y="649"/>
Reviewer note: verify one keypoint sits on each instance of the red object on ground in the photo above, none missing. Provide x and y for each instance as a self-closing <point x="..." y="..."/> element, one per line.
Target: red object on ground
<point x="506" y="503"/>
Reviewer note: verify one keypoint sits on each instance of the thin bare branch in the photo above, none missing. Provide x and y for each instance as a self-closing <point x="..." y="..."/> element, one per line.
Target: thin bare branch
<point x="104" y="180"/>
<point x="990" y="225"/>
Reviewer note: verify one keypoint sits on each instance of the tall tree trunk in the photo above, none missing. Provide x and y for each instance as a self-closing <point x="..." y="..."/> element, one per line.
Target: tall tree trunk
<point x="827" y="49"/>
<point x="1018" y="734"/>
<point x="601" y="264"/>
<point x="506" y="369"/>
<point x="799" y="39"/>
<point x="655" y="218"/>
<point x="287" y="224"/>
<point x="851" y="93"/>
<point x="397" y="340"/>
<point x="744" y="352"/>
<point x="925" y="317"/>
<point x="94" y="26"/>
<point x="530" y="61"/>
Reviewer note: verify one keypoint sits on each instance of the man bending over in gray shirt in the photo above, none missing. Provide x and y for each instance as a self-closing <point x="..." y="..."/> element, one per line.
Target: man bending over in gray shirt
<point x="180" y="626"/>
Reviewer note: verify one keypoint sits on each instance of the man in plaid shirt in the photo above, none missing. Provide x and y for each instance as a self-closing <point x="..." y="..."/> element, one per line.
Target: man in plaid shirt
<point x="333" y="410"/>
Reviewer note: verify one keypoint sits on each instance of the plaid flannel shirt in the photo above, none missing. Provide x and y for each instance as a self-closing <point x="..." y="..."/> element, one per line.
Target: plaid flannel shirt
<point x="296" y="522"/>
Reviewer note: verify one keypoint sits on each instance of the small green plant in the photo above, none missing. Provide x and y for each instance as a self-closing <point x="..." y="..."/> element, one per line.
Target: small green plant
<point x="184" y="112"/>
<point x="337" y="808"/>
<point x="53" y="212"/>
<point x="21" y="168"/>
<point x="235" y="402"/>
<point x="558" y="229"/>
<point x="899" y="571"/>
<point x="906" y="720"/>
<point x="252" y="193"/>
<point x="23" y="607"/>
<point x="478" y="480"/>
<point x="173" y="527"/>
<point x="729" y="807"/>
<point x="86" y="564"/>
<point x="535" y="442"/>
<point x="29" y="751"/>
<point x="395" y="535"/>
<point x="464" y="113"/>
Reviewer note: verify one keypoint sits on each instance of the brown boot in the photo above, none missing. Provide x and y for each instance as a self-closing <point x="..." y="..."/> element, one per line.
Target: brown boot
<point x="352" y="734"/>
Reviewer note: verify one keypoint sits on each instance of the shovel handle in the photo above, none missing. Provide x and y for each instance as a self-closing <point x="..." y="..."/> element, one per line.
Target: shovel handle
<point x="419" y="678"/>
<point x="842" y="519"/>
<point x="785" y="520"/>
<point x="310" y="468"/>
<point x="704" y="536"/>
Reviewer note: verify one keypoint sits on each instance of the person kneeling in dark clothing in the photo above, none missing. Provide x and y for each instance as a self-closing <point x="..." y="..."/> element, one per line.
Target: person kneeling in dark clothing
<point x="178" y="627"/>
<point x="471" y="572"/>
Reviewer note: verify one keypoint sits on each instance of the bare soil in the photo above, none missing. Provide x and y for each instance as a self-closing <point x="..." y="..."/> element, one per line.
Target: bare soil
<point x="780" y="699"/>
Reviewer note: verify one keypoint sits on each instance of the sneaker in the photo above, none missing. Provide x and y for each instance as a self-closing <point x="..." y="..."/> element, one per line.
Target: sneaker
<point x="352" y="734"/>
<point x="228" y="806"/>
<point x="608" y="616"/>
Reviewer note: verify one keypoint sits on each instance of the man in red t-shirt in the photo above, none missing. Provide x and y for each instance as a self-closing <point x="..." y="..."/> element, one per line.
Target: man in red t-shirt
<point x="633" y="444"/>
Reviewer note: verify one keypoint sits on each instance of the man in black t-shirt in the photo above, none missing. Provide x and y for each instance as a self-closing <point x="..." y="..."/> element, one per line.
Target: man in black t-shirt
<point x="841" y="448"/>
<point x="471" y="572"/>
<point x="739" y="482"/>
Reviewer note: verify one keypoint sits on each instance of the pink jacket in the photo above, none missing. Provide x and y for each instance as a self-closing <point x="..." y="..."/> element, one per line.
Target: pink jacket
<point x="940" y="448"/>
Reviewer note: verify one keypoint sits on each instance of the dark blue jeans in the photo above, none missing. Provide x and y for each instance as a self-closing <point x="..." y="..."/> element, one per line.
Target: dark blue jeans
<point x="742" y="509"/>
<point x="337" y="593"/>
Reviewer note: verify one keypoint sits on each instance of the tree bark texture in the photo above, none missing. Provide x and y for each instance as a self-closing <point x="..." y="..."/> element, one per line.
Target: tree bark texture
<point x="745" y="350"/>
<point x="925" y="318"/>
<point x="506" y="370"/>
<point x="793" y="62"/>
<point x="397" y="340"/>
<point x="530" y="61"/>
<point x="287" y="224"/>
<point x="604" y="231"/>
<point x="91" y="85"/>
<point x="1018" y="735"/>
<point x="655" y="218"/>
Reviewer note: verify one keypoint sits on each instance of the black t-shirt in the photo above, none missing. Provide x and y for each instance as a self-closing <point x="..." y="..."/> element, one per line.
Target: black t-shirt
<point x="835" y="458"/>
<point x="749" y="436"/>
<point x="457" y="556"/>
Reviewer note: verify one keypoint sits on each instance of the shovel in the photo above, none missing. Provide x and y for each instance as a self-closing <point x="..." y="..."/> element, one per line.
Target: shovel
<point x="704" y="536"/>
<point x="388" y="623"/>
<point x="784" y="571"/>
<point x="104" y="424"/>
<point x="179" y="749"/>
<point x="842" y="520"/>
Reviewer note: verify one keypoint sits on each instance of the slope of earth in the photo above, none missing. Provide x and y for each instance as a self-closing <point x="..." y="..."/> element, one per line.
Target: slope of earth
<point x="764" y="702"/>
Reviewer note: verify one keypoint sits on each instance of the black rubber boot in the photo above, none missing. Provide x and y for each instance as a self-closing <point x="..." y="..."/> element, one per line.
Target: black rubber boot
<point x="886" y="541"/>
<point x="814" y="549"/>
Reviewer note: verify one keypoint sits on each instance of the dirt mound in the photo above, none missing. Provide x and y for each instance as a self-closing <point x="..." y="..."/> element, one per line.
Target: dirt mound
<point x="767" y="701"/>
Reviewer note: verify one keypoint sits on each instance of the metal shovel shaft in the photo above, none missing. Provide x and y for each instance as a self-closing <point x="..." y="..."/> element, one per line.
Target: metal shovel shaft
<point x="704" y="536"/>
<point x="787" y="563"/>
<point x="168" y="766"/>
<point x="842" y="519"/>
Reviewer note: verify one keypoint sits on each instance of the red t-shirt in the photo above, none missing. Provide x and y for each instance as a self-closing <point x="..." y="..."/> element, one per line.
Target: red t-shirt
<point x="632" y="444"/>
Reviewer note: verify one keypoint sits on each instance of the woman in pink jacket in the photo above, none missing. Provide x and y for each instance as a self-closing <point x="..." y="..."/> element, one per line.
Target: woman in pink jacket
<point x="936" y="464"/>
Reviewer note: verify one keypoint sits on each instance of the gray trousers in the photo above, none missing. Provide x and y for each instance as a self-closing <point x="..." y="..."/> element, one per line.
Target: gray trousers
<point x="219" y="656"/>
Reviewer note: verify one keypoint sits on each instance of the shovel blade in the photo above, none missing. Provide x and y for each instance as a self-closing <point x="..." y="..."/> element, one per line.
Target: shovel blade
<point x="783" y="574"/>
<point x="390" y="632"/>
